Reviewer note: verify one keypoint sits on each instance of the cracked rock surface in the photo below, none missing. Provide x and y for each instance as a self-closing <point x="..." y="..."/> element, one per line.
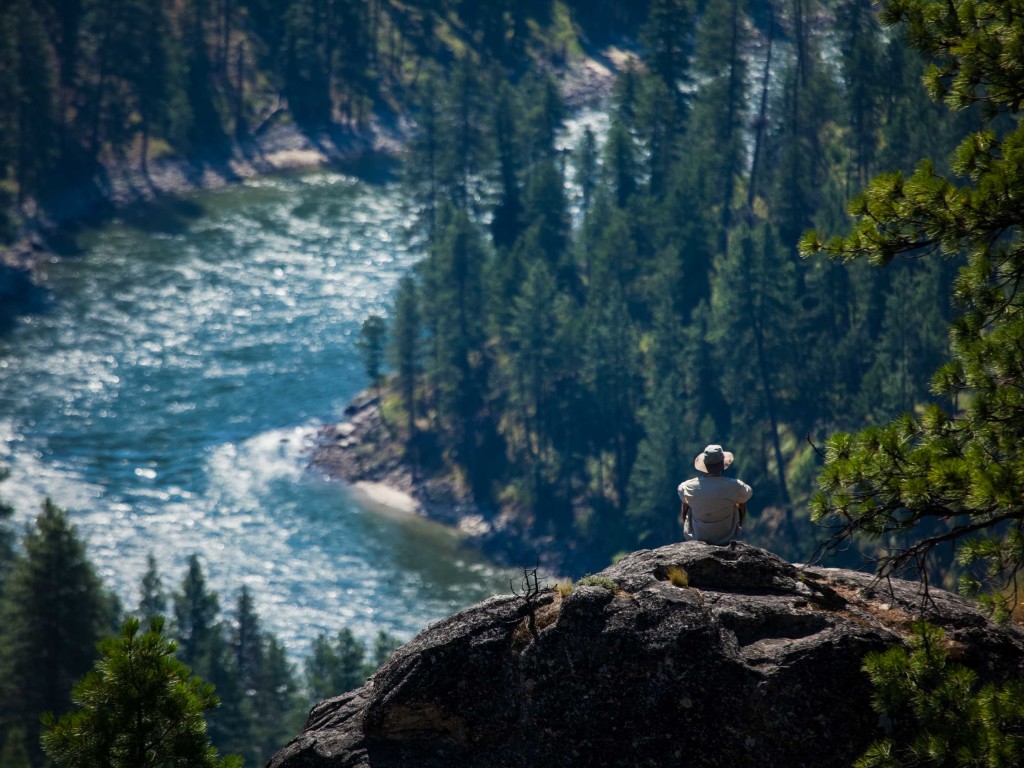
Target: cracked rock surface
<point x="702" y="655"/>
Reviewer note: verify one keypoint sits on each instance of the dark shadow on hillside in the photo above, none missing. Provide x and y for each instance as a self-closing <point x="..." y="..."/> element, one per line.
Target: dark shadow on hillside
<point x="164" y="216"/>
<point x="19" y="296"/>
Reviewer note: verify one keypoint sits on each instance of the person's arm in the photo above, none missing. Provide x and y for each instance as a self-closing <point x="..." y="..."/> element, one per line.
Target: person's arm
<point x="742" y="507"/>
<point x="683" y="512"/>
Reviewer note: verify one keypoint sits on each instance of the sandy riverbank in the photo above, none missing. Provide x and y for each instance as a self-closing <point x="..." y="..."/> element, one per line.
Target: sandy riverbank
<point x="363" y="453"/>
<point x="384" y="496"/>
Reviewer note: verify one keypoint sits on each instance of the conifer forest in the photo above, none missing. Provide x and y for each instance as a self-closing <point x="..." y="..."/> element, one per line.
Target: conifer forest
<point x="796" y="233"/>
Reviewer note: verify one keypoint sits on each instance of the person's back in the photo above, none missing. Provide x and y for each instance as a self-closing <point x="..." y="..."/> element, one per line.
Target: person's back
<point x="714" y="507"/>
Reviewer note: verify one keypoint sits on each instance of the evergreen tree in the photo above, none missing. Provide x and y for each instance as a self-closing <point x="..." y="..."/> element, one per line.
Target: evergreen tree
<point x="37" y="102"/>
<point x="620" y="168"/>
<point x="278" y="708"/>
<point x="53" y="612"/>
<point x="405" y="351"/>
<point x="13" y="751"/>
<point x="335" y="665"/>
<point x="958" y="465"/>
<point x="7" y="538"/>
<point x="543" y="118"/>
<point x="940" y="718"/>
<point x="545" y="208"/>
<point x="801" y="141"/>
<point x="719" y="110"/>
<point x="862" y="59"/>
<point x="195" y="614"/>
<point x="231" y="725"/>
<point x="506" y="224"/>
<point x="464" y="149"/>
<point x="139" y="708"/>
<point x="751" y="329"/>
<point x="247" y="641"/>
<point x="454" y="317"/>
<point x="307" y="68"/>
<point x="372" y="337"/>
<point x="422" y="169"/>
<point x="384" y="645"/>
<point x="666" y="38"/>
<point x="153" y="600"/>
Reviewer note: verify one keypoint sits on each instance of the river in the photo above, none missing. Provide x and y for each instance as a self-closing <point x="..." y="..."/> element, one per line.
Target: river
<point x="168" y="396"/>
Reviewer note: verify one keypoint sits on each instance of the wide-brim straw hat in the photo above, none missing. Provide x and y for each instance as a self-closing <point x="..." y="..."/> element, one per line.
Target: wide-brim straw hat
<point x="713" y="455"/>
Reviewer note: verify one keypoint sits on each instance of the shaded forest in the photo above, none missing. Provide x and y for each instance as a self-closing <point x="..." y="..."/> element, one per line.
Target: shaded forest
<point x="91" y="86"/>
<point x="54" y="610"/>
<point x="583" y="323"/>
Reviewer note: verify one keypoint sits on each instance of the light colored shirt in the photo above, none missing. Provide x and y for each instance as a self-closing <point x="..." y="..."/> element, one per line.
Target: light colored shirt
<point x="713" y="501"/>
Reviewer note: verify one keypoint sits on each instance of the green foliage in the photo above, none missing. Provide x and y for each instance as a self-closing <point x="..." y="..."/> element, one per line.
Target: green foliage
<point x="371" y="340"/>
<point x="195" y="615"/>
<point x="260" y="704"/>
<point x="153" y="599"/>
<point x="949" y="472"/>
<point x="598" y="581"/>
<point x="52" y="614"/>
<point x="6" y="533"/>
<point x="340" y="664"/>
<point x="404" y="352"/>
<point x="938" y="714"/>
<point x="571" y="368"/>
<point x="14" y="753"/>
<point x="140" y="707"/>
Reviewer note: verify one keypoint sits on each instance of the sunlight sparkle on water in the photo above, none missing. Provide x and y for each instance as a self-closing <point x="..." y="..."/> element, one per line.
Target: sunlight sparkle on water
<point x="169" y="399"/>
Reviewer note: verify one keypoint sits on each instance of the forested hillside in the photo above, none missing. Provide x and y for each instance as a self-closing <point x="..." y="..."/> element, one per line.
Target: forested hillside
<point x="89" y="86"/>
<point x="583" y="324"/>
<point x="54" y="610"/>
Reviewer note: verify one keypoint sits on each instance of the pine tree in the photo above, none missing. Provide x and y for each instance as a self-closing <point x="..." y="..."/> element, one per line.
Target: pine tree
<point x="719" y="117"/>
<point x="960" y="465"/>
<point x="278" y="706"/>
<point x="37" y="120"/>
<point x="139" y="708"/>
<point x="13" y="750"/>
<point x="939" y="716"/>
<point x="195" y="614"/>
<point x="506" y="224"/>
<point x="454" y="317"/>
<point x="7" y="537"/>
<point x="335" y="666"/>
<point x="384" y="645"/>
<point x="53" y="612"/>
<point x="751" y="327"/>
<point x="371" y="341"/>
<point x="153" y="600"/>
<point x="307" y="67"/>
<point x="666" y="38"/>
<point x="405" y="352"/>
<point x="862" y="60"/>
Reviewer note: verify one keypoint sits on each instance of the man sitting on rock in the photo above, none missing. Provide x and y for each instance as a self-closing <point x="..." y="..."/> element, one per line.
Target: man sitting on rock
<point x="714" y="507"/>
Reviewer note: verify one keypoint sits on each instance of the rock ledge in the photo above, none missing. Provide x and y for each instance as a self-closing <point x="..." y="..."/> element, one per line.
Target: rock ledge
<point x="745" y="661"/>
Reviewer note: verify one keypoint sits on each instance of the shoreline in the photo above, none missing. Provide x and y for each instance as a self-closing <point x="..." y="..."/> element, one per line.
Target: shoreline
<point x="361" y="452"/>
<point x="360" y="455"/>
<point x="278" y="145"/>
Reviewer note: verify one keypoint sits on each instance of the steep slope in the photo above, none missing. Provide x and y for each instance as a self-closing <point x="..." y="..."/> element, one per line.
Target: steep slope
<point x="754" y="662"/>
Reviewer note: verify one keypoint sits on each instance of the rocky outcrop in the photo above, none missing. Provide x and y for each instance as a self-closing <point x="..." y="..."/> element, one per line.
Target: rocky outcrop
<point x="686" y="655"/>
